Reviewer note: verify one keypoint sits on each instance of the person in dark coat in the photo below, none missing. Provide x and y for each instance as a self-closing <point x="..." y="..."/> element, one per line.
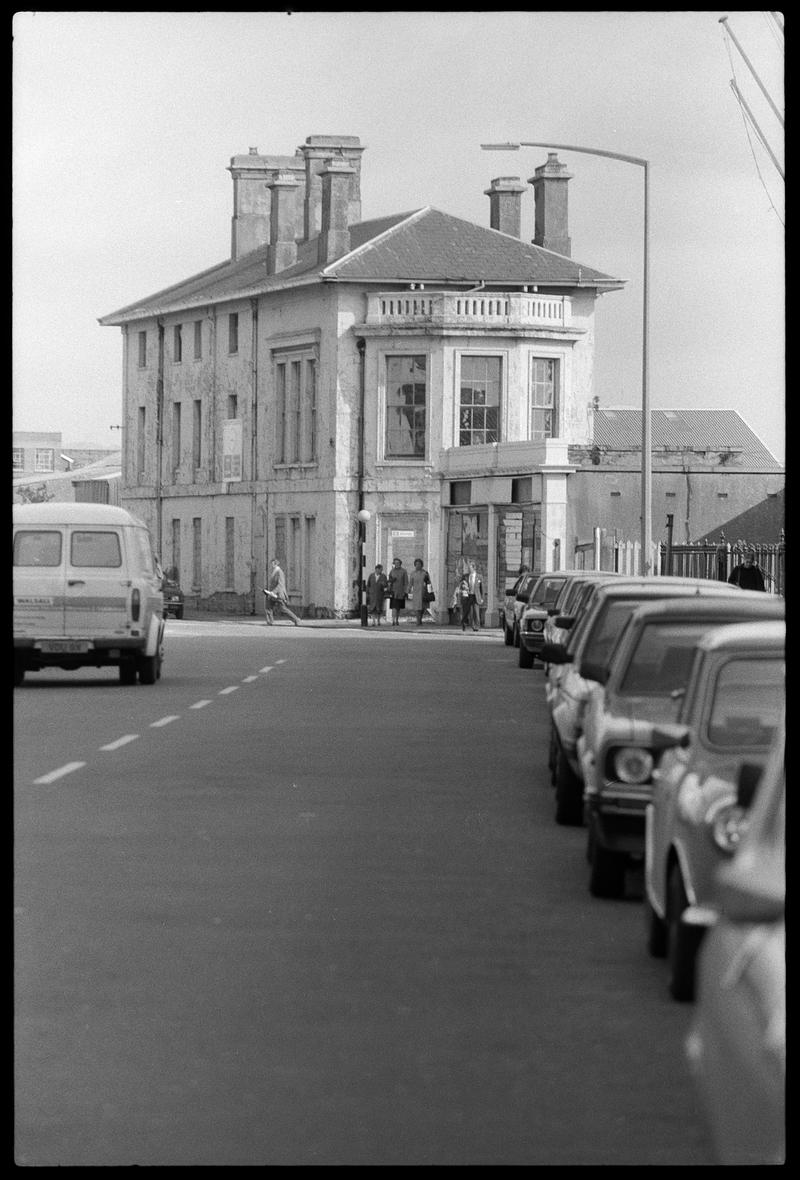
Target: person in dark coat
<point x="377" y="589"/>
<point x="398" y="590"/>
<point x="747" y="575"/>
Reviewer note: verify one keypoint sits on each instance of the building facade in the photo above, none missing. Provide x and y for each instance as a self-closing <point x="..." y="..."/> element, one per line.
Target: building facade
<point x="428" y="370"/>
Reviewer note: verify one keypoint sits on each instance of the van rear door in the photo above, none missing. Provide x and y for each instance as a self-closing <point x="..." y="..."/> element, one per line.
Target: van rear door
<point x="39" y="581"/>
<point x="97" y="582"/>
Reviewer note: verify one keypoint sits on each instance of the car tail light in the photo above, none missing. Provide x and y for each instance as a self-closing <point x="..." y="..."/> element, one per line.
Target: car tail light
<point x="727" y="823"/>
<point x="633" y="764"/>
<point x="136" y="606"/>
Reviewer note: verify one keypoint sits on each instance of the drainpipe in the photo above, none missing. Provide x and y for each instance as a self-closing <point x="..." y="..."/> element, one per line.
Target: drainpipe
<point x="253" y="449"/>
<point x="362" y="517"/>
<point x="159" y="435"/>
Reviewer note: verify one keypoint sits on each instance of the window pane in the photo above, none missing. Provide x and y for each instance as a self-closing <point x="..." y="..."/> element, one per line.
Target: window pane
<point x="405" y="406"/>
<point x="37" y="549"/>
<point x="543" y="398"/>
<point x="100" y="550"/>
<point x="479" y="400"/>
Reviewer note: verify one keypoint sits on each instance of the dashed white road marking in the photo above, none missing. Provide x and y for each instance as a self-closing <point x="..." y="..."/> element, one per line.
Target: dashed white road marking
<point x="123" y="741"/>
<point x="249" y="679"/>
<point x="224" y="691"/>
<point x="62" y="770"/>
<point x="163" y="721"/>
<point x="267" y="669"/>
<point x="280" y="661"/>
<point x="200" y="704"/>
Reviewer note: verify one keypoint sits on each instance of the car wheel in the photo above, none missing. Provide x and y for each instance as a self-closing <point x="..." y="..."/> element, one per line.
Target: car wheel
<point x="607" y="876"/>
<point x="19" y="672"/>
<point x="569" y="793"/>
<point x="148" y="669"/>
<point x="515" y="636"/>
<point x="127" y="672"/>
<point x="508" y="635"/>
<point x="656" y="931"/>
<point x="552" y="753"/>
<point x="682" y="943"/>
<point x="525" y="657"/>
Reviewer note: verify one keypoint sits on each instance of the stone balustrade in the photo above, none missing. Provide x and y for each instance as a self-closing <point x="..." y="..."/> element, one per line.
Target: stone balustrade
<point x="485" y="309"/>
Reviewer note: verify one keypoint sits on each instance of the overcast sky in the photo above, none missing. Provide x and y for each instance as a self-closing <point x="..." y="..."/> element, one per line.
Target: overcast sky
<point x="125" y="123"/>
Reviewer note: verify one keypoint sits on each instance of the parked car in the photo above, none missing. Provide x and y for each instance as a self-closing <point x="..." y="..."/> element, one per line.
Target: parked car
<point x="736" y="1047"/>
<point x="86" y="591"/>
<point x="593" y="639"/>
<point x="635" y="693"/>
<point x="173" y="598"/>
<point x="569" y="603"/>
<point x="695" y="819"/>
<point x="534" y="615"/>
<point x="513" y="604"/>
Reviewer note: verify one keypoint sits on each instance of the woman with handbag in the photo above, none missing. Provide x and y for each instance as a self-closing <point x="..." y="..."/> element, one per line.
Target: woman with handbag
<point x="398" y="589"/>
<point x="420" y="590"/>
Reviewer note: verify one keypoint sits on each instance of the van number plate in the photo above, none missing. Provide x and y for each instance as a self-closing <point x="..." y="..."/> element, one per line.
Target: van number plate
<point x="72" y="646"/>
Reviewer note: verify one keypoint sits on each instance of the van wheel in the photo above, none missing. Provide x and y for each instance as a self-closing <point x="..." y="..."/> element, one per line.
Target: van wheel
<point x="127" y="672"/>
<point x="19" y="672"/>
<point x="148" y="669"/>
<point x="508" y="635"/>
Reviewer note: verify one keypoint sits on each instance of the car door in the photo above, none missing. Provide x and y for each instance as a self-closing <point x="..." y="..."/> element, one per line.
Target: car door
<point x="97" y="582"/>
<point x="39" y="577"/>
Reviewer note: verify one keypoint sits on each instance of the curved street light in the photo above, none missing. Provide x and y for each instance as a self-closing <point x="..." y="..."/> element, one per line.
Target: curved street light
<point x="647" y="470"/>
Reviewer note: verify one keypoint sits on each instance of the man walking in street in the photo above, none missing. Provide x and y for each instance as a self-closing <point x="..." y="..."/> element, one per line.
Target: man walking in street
<point x="747" y="575"/>
<point x="475" y="600"/>
<point x="277" y="596"/>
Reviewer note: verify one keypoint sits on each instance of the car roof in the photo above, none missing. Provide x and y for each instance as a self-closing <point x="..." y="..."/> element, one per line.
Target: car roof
<point x="756" y="633"/>
<point x="73" y="513"/>
<point x="759" y="604"/>
<point x="663" y="587"/>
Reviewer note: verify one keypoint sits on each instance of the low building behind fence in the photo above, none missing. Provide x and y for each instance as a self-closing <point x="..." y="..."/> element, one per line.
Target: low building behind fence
<point x="606" y="551"/>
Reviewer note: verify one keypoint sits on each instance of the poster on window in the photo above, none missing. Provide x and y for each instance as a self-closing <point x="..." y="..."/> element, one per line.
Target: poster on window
<point x="232" y="449"/>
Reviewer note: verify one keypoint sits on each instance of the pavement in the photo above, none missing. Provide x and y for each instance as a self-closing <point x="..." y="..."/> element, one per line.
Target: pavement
<point x="407" y="624"/>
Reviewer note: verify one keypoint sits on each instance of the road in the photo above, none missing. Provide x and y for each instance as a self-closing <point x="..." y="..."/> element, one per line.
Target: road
<point x="304" y="902"/>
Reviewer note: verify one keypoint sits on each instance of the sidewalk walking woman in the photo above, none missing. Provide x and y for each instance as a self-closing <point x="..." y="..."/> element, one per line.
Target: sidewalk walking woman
<point x="398" y="590"/>
<point x="418" y="585"/>
<point x="377" y="589"/>
<point x="277" y="596"/>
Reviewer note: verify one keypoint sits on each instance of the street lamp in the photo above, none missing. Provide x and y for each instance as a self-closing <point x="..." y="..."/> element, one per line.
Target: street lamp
<point x="647" y="472"/>
<point x="363" y="516"/>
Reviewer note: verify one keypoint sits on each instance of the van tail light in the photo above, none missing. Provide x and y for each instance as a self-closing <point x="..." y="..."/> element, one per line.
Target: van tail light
<point x="136" y="606"/>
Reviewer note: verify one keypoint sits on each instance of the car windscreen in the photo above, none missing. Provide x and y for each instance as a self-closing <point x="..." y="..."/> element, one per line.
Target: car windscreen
<point x="605" y="628"/>
<point x="662" y="658"/>
<point x="95" y="550"/>
<point x="546" y="592"/>
<point x="748" y="699"/>
<point x="37" y="548"/>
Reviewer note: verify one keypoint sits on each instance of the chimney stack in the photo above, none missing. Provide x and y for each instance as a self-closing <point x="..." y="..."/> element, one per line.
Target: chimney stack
<point x="250" y="224"/>
<point x="550" y="192"/>
<point x="317" y="151"/>
<point x="334" y="236"/>
<point x="505" y="204"/>
<point x="282" y="249"/>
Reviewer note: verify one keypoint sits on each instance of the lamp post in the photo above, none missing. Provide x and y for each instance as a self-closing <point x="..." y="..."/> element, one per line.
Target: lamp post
<point x="363" y="516"/>
<point x="647" y="472"/>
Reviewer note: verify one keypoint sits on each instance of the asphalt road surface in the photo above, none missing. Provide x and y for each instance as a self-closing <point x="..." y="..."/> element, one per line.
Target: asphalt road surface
<point x="304" y="902"/>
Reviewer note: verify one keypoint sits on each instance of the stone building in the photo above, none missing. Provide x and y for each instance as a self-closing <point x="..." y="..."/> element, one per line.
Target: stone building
<point x="433" y="372"/>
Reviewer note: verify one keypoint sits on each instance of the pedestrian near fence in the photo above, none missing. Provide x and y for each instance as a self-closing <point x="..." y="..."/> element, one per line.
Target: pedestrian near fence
<point x="398" y="589"/>
<point x="377" y="589"/>
<point x="746" y="575"/>
<point x="276" y="595"/>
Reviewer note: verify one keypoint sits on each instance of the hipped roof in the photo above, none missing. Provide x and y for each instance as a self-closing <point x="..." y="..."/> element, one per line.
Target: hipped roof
<point x="425" y="246"/>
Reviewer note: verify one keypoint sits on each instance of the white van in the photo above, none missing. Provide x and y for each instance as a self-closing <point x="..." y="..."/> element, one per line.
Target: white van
<point x="87" y="591"/>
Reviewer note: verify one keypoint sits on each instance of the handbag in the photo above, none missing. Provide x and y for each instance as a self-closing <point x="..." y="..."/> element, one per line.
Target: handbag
<point x="429" y="596"/>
